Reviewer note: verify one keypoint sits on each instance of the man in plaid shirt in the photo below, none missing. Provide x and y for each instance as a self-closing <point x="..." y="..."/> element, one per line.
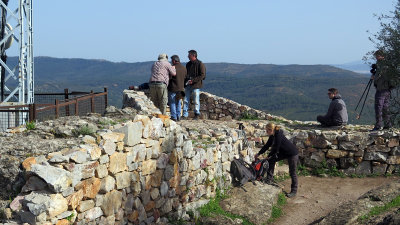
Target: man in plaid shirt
<point x="161" y="71"/>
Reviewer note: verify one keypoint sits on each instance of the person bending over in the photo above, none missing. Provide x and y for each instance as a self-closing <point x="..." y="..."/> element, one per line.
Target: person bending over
<point x="281" y="148"/>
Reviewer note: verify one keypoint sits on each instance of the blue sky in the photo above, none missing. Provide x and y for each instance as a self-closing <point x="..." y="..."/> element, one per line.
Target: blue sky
<point x="254" y="31"/>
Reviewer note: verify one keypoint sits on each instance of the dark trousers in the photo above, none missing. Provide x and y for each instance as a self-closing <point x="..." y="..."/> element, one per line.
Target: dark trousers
<point x="327" y="122"/>
<point x="382" y="108"/>
<point x="292" y="161"/>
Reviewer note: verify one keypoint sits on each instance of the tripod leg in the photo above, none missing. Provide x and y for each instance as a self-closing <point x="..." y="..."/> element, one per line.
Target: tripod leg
<point x="368" y="85"/>
<point x="365" y="99"/>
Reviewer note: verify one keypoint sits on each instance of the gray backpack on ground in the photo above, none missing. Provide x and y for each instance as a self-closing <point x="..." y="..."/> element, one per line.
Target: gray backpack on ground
<point x="242" y="172"/>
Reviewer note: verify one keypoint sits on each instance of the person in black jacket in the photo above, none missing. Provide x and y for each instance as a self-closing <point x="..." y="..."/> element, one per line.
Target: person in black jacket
<point x="281" y="148"/>
<point x="196" y="73"/>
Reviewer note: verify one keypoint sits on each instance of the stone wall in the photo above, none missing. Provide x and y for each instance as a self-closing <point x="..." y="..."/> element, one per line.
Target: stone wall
<point x="352" y="149"/>
<point x="145" y="170"/>
<point x="211" y="107"/>
<point x="149" y="169"/>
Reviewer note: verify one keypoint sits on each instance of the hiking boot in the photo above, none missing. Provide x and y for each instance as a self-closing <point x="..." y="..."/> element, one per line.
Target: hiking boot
<point x="174" y="119"/>
<point x="183" y="118"/>
<point x="270" y="182"/>
<point x="196" y="117"/>
<point x="291" y="194"/>
<point x="375" y="129"/>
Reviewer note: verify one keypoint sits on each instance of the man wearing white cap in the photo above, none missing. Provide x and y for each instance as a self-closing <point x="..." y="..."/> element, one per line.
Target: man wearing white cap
<point x="161" y="71"/>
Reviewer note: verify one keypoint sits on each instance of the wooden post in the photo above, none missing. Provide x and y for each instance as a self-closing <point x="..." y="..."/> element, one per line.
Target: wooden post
<point x="57" y="108"/>
<point x="76" y="107"/>
<point x="31" y="112"/>
<point x="105" y="98"/>
<point x="66" y="92"/>
<point x="92" y="101"/>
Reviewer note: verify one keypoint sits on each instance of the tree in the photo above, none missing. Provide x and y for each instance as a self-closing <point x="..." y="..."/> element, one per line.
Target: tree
<point x="388" y="40"/>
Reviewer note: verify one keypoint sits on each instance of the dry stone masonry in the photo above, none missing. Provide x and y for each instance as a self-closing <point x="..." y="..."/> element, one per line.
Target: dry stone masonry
<point x="147" y="169"/>
<point x="140" y="172"/>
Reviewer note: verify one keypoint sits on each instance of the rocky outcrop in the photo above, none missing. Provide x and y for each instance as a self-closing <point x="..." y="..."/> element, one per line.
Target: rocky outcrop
<point x="350" y="212"/>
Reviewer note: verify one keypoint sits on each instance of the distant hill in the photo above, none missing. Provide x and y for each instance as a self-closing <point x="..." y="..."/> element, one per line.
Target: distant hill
<point x="356" y="66"/>
<point x="293" y="91"/>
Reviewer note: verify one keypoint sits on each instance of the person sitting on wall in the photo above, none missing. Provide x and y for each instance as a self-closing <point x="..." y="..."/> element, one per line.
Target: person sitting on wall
<point x="337" y="111"/>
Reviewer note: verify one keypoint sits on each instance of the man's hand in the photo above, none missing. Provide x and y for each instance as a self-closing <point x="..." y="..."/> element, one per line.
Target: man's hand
<point x="256" y="156"/>
<point x="372" y="77"/>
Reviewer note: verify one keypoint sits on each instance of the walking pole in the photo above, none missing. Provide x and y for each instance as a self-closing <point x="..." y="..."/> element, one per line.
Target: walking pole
<point x="369" y="87"/>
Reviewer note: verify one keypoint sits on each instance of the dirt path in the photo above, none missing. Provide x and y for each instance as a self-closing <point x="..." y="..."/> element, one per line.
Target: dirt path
<point x="316" y="196"/>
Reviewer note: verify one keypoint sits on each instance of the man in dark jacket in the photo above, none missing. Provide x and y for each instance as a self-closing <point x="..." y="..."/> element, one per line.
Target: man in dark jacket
<point x="383" y="83"/>
<point x="337" y="111"/>
<point x="176" y="90"/>
<point x="196" y="73"/>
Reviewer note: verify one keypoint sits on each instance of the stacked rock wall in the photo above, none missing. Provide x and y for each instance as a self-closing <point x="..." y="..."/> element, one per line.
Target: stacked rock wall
<point x="150" y="169"/>
<point x="211" y="106"/>
<point x="351" y="149"/>
<point x="145" y="170"/>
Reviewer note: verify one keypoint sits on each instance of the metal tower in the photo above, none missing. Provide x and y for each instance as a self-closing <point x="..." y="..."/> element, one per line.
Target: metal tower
<point x="17" y="83"/>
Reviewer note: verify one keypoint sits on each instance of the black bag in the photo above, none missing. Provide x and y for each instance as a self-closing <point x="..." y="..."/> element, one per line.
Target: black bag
<point x="261" y="167"/>
<point x="242" y="172"/>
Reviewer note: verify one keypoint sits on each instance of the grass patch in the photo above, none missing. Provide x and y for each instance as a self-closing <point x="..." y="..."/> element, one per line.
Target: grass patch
<point x="325" y="169"/>
<point x="70" y="217"/>
<point x="281" y="178"/>
<point x="277" y="209"/>
<point x="84" y="130"/>
<point x="213" y="208"/>
<point x="377" y="210"/>
<point x="303" y="171"/>
<point x="247" y="116"/>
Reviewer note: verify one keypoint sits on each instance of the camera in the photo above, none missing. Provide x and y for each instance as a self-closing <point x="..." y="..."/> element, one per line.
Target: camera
<point x="373" y="69"/>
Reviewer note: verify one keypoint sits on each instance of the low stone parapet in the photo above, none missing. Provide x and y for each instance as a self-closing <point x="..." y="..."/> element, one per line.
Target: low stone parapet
<point x="143" y="170"/>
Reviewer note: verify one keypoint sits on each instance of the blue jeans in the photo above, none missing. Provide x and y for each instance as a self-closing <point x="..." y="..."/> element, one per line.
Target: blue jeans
<point x="188" y="93"/>
<point x="174" y="105"/>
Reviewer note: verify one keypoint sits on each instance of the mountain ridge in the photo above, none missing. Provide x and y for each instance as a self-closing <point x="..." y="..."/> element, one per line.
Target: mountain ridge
<point x="293" y="91"/>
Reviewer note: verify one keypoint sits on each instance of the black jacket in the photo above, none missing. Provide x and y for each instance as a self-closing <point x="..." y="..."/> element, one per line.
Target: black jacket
<point x="280" y="146"/>
<point x="196" y="71"/>
<point x="176" y="82"/>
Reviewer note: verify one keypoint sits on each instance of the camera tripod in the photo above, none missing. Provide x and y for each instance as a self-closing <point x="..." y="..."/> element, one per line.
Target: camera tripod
<point x="367" y="88"/>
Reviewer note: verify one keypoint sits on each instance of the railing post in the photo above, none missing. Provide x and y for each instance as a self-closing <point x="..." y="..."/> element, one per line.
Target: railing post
<point x="32" y="109"/>
<point x="76" y="107"/>
<point x="66" y="92"/>
<point x="57" y="108"/>
<point x="92" y="101"/>
<point x="106" y="98"/>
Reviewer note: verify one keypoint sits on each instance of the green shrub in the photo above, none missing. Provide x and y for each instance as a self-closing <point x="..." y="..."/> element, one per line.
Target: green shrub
<point x="84" y="130"/>
<point x="30" y="125"/>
